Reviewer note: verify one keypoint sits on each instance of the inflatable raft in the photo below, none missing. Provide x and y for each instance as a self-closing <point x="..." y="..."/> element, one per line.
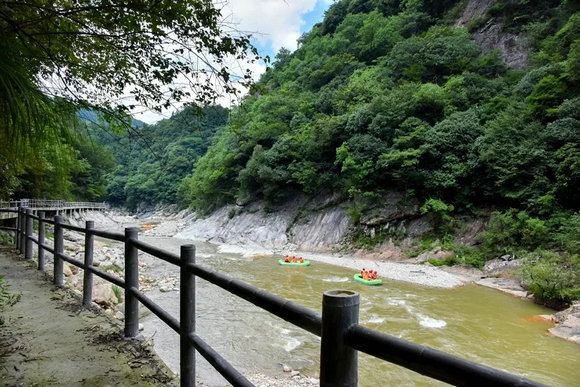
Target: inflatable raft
<point x="305" y="263"/>
<point x="358" y="278"/>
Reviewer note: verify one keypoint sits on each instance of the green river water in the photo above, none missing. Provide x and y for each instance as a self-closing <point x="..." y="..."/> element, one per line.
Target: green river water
<point x="477" y="323"/>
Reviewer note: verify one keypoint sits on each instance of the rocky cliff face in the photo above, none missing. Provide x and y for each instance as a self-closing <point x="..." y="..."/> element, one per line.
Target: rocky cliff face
<point x="315" y="224"/>
<point x="514" y="48"/>
<point x="319" y="224"/>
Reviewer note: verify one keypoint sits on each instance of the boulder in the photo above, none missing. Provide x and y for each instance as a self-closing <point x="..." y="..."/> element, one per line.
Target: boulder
<point x="506" y="285"/>
<point x="73" y="269"/>
<point x="433" y="254"/>
<point x="393" y="206"/>
<point x="67" y="270"/>
<point x="73" y="237"/>
<point x="573" y="310"/>
<point x="568" y="323"/>
<point x="103" y="294"/>
<point x="500" y="265"/>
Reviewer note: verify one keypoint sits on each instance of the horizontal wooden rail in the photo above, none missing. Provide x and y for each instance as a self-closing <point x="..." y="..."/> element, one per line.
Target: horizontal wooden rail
<point x="106" y="276"/>
<point x="46" y="248"/>
<point x="218" y="362"/>
<point x="156" y="252"/>
<point x="74" y="228"/>
<point x="168" y="319"/>
<point x="108" y="235"/>
<point x="342" y="336"/>
<point x="70" y="260"/>
<point x="296" y="314"/>
<point x="429" y="362"/>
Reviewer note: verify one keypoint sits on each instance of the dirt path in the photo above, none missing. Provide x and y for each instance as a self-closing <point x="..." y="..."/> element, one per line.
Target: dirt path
<point x="47" y="339"/>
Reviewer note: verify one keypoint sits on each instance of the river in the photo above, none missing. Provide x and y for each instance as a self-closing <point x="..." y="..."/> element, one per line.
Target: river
<point x="477" y="323"/>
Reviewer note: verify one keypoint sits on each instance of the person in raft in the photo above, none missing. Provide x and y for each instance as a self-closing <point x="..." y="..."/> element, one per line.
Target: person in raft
<point x="369" y="275"/>
<point x="293" y="259"/>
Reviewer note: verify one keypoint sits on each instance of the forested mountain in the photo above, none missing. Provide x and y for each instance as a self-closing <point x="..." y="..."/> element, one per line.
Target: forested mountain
<point x="395" y="95"/>
<point x="386" y="94"/>
<point x="152" y="160"/>
<point x="62" y="165"/>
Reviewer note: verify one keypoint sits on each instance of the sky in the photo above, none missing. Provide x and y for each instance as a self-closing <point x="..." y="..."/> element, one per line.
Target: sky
<point x="273" y="24"/>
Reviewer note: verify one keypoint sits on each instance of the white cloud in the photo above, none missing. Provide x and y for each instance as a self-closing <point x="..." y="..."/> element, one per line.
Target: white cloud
<point x="226" y="100"/>
<point x="275" y="23"/>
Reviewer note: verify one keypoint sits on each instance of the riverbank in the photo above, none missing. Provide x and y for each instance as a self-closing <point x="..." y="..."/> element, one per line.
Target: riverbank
<point x="428" y="313"/>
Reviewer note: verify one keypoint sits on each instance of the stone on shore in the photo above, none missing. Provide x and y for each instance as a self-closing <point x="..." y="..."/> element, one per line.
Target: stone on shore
<point x="568" y="323"/>
<point x="501" y="265"/>
<point x="103" y="294"/>
<point x="67" y="270"/>
<point x="506" y="285"/>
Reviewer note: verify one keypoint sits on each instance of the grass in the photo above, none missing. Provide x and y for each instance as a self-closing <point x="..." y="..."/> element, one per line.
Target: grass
<point x="118" y="293"/>
<point x="6" y="238"/>
<point x="426" y="244"/>
<point x="462" y="255"/>
<point x="112" y="268"/>
<point x="6" y="298"/>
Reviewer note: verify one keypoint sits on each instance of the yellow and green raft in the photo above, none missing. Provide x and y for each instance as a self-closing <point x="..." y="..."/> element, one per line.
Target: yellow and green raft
<point x="358" y="278"/>
<point x="305" y="263"/>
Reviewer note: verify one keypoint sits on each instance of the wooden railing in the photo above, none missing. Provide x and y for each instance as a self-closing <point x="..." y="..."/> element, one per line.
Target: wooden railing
<point x="342" y="337"/>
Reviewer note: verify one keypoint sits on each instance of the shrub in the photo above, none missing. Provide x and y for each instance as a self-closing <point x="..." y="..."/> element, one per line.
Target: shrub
<point x="552" y="278"/>
<point x="462" y="255"/>
<point x="6" y="239"/>
<point x="468" y="255"/>
<point x="566" y="232"/>
<point x="439" y="212"/>
<point x="355" y="212"/>
<point x="512" y="230"/>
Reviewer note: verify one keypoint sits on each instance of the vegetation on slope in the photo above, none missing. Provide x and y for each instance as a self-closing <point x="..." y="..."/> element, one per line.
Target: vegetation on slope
<point x="389" y="95"/>
<point x="153" y="160"/>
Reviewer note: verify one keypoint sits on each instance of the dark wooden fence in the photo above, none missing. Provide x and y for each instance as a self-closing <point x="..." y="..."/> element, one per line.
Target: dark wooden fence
<point x="341" y="335"/>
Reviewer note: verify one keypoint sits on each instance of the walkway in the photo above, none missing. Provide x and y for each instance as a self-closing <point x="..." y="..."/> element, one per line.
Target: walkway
<point x="47" y="339"/>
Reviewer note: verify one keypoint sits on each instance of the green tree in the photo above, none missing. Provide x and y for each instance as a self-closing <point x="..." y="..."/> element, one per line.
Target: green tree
<point x="65" y="56"/>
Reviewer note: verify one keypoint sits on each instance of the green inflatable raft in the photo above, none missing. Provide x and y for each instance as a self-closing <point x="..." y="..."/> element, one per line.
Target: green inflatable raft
<point x="358" y="278"/>
<point x="305" y="263"/>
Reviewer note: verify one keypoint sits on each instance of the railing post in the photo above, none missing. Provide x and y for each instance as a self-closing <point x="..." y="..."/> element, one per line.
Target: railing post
<point x="187" y="317"/>
<point x="131" y="282"/>
<point x="58" y="249"/>
<point x="338" y="361"/>
<point x="18" y="227"/>
<point x="22" y="230"/>
<point x="28" y="234"/>
<point x="41" y="232"/>
<point x="87" y="274"/>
